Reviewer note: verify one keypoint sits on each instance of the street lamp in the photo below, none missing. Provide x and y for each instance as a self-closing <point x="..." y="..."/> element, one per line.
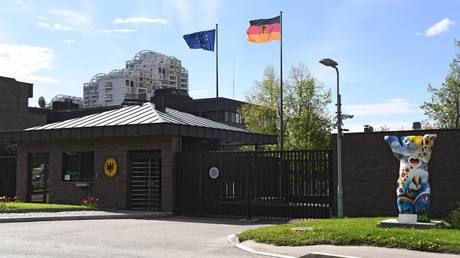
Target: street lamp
<point x="333" y="64"/>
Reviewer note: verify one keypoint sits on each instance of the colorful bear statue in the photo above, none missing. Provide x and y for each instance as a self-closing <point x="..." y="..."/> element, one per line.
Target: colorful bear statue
<point x="413" y="188"/>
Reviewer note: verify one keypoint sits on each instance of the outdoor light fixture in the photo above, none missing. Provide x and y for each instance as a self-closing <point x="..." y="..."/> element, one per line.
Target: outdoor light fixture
<point x="331" y="63"/>
<point x="328" y="62"/>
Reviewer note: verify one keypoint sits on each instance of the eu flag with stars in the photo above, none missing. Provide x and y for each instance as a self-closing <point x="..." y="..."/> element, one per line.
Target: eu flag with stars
<point x="201" y="39"/>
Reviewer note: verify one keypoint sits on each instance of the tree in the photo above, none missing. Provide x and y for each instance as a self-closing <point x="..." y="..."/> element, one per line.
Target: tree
<point x="261" y="113"/>
<point x="306" y="121"/>
<point x="443" y="110"/>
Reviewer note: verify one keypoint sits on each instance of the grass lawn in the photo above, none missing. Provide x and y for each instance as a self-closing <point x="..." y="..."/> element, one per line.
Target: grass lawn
<point x="356" y="231"/>
<point x="25" y="206"/>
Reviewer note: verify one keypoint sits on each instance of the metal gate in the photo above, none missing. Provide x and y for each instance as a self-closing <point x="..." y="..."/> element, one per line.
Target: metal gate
<point x="270" y="184"/>
<point x="145" y="180"/>
<point x="8" y="176"/>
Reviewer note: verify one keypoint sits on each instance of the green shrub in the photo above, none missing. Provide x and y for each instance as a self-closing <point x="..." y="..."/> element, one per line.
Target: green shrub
<point x="454" y="218"/>
<point x="423" y="218"/>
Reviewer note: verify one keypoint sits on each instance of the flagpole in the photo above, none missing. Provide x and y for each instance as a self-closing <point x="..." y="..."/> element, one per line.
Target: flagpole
<point x="217" y="73"/>
<point x="233" y="79"/>
<point x="281" y="82"/>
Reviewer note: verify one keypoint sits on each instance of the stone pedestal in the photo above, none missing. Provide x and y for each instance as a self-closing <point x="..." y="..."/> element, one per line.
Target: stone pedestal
<point x="407" y="218"/>
<point x="396" y="223"/>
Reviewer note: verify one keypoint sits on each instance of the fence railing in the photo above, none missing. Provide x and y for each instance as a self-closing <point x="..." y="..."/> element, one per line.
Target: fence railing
<point x="269" y="184"/>
<point x="8" y="176"/>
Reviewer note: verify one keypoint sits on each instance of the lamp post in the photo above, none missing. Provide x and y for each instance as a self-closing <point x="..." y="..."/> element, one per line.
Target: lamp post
<point x="333" y="64"/>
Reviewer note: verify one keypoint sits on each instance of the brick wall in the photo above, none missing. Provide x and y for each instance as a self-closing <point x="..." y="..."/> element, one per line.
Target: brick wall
<point x="370" y="172"/>
<point x="111" y="191"/>
<point x="17" y="121"/>
<point x="14" y="113"/>
<point x="15" y="95"/>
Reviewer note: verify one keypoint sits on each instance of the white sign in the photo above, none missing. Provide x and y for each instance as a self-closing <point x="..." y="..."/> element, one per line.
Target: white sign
<point x="214" y="172"/>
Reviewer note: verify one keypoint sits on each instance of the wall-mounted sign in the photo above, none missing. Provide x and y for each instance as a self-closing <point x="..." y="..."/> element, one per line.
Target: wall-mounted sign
<point x="214" y="172"/>
<point x="110" y="167"/>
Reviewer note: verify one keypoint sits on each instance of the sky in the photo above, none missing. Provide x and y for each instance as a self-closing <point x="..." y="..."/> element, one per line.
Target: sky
<point x="388" y="50"/>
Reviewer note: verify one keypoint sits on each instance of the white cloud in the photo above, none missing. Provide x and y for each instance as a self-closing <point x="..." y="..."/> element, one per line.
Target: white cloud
<point x="72" y="17"/>
<point x="441" y="26"/>
<point x="138" y="20"/>
<point x="204" y="12"/>
<point x="69" y="41"/>
<point x="22" y="62"/>
<point x="117" y="30"/>
<point x="55" y="26"/>
<point x="388" y="108"/>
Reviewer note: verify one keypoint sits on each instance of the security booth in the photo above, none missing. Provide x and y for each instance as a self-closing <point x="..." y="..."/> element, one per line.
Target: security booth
<point x="126" y="157"/>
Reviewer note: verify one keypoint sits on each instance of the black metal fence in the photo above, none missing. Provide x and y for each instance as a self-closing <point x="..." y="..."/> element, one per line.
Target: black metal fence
<point x="263" y="184"/>
<point x="8" y="176"/>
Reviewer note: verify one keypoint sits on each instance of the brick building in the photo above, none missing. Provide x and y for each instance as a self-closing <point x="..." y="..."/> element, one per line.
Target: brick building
<point x="14" y="112"/>
<point x="64" y="162"/>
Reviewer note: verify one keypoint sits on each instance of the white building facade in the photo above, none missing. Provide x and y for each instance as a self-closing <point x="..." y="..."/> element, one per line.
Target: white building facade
<point x="145" y="73"/>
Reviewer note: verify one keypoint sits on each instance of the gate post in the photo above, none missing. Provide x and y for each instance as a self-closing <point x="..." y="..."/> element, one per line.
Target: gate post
<point x="331" y="184"/>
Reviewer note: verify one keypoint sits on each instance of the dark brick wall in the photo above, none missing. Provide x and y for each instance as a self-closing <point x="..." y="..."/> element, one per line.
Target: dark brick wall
<point x="15" y="95"/>
<point x="17" y="121"/>
<point x="370" y="172"/>
<point x="111" y="191"/>
<point x="14" y="113"/>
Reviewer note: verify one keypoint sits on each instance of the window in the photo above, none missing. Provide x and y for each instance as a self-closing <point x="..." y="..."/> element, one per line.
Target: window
<point x="131" y="83"/>
<point x="127" y="82"/>
<point x="238" y="118"/>
<point x="78" y="166"/>
<point x="233" y="117"/>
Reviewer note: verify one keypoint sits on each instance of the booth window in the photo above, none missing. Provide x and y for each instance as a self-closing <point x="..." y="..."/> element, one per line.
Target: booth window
<point x="78" y="166"/>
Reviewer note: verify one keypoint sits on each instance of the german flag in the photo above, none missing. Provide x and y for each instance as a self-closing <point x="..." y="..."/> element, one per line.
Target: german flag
<point x="264" y="30"/>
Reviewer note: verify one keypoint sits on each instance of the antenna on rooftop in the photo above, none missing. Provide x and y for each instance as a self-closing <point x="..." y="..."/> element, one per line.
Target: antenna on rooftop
<point x="42" y="102"/>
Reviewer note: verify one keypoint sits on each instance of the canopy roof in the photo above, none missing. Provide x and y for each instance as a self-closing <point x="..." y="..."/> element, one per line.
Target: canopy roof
<point x="136" y="121"/>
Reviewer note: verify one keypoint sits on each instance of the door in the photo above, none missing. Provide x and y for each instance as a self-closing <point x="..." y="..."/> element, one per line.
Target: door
<point x="38" y="176"/>
<point x="7" y="176"/>
<point x="145" y="180"/>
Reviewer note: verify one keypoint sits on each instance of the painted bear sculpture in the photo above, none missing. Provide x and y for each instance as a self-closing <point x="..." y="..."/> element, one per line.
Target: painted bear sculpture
<point x="413" y="188"/>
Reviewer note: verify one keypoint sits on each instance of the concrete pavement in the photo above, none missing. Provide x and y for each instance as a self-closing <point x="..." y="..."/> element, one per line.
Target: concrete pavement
<point x="160" y="237"/>
<point x="168" y="237"/>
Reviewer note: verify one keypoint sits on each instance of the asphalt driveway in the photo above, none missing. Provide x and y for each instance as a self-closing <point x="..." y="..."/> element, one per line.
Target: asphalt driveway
<point x="169" y="237"/>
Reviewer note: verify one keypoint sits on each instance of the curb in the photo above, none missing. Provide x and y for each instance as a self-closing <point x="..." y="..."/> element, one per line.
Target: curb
<point x="233" y="239"/>
<point x="89" y="217"/>
<point x="325" y="255"/>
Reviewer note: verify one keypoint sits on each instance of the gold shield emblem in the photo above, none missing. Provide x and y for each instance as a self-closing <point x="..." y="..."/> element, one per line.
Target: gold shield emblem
<point x="110" y="167"/>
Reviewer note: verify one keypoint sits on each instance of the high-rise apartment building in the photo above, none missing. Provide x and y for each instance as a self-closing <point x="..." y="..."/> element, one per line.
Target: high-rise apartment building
<point x="145" y="73"/>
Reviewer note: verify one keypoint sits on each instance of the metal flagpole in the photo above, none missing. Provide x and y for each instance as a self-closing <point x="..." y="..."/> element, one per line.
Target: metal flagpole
<point x="281" y="83"/>
<point x="233" y="77"/>
<point x="217" y="73"/>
